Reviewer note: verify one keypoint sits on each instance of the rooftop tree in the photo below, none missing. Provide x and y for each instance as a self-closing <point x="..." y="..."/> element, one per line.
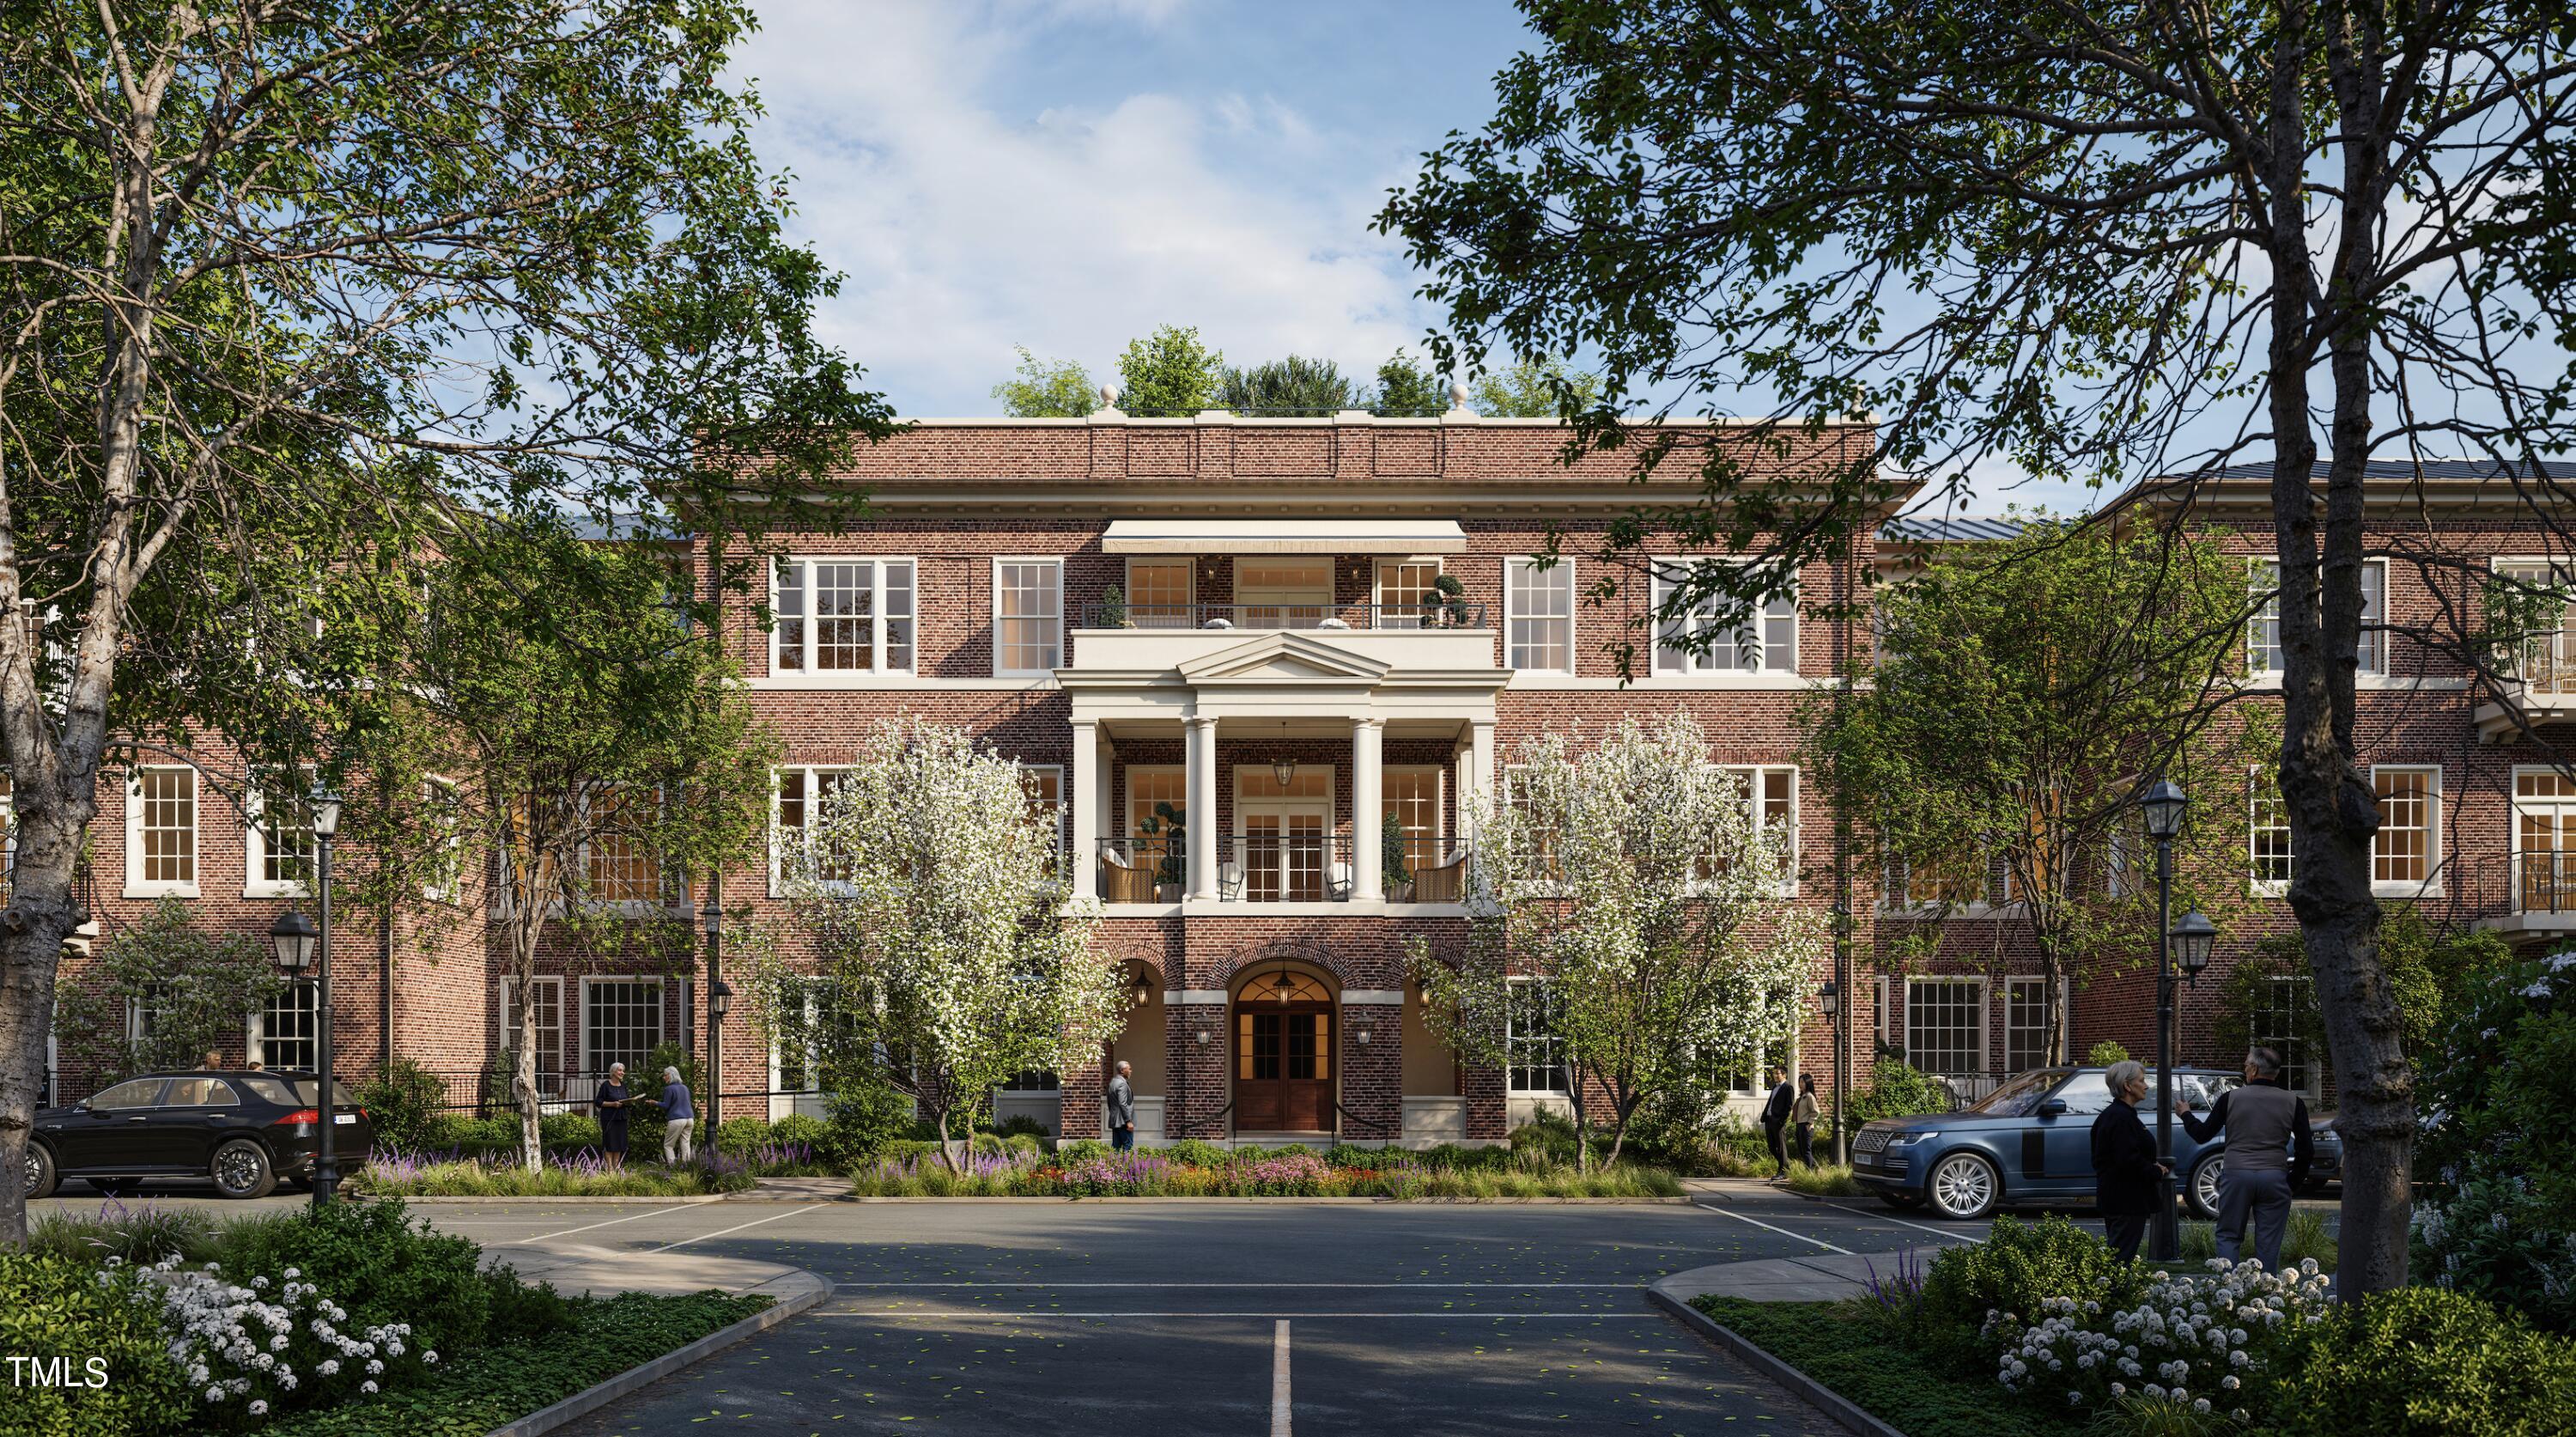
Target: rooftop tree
<point x="2094" y="243"/>
<point x="286" y="291"/>
<point x="1169" y="372"/>
<point x="1047" y="389"/>
<point x="1296" y="385"/>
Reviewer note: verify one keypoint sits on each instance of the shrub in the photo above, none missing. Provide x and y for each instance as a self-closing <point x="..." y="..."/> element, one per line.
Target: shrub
<point x="2499" y="1239"/>
<point x="405" y="1105"/>
<point x="1898" y="1090"/>
<point x="1548" y="1133"/>
<point x="1198" y="1153"/>
<point x="799" y="1128"/>
<point x="54" y="1306"/>
<point x="2425" y="1361"/>
<point x="1080" y="1148"/>
<point x="738" y="1136"/>
<point x="2209" y="1338"/>
<point x="374" y="1258"/>
<point x="2103" y="1054"/>
<point x="2013" y="1271"/>
<point x="568" y="1130"/>
<point x="1021" y="1123"/>
<point x="860" y="1116"/>
<point x="134" y="1236"/>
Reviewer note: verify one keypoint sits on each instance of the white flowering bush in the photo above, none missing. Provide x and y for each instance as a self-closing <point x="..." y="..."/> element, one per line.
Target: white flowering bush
<point x="247" y="1349"/>
<point x="2202" y="1340"/>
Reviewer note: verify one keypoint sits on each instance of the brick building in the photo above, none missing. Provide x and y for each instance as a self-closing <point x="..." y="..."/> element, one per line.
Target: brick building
<point x="1283" y="662"/>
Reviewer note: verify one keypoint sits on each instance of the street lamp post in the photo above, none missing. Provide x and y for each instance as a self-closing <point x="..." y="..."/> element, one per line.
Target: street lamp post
<point x="2164" y="804"/>
<point x="326" y="1164"/>
<point x="1831" y="996"/>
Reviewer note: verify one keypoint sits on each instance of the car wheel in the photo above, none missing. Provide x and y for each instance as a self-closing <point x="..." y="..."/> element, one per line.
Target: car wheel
<point x="1902" y="1202"/>
<point x="1964" y="1186"/>
<point x="241" y="1170"/>
<point x="2201" y="1194"/>
<point x="40" y="1172"/>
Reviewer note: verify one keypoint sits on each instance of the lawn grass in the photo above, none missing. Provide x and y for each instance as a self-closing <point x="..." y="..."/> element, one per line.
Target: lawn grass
<point x="1842" y="1347"/>
<point x="485" y="1388"/>
<point x="1825" y="1180"/>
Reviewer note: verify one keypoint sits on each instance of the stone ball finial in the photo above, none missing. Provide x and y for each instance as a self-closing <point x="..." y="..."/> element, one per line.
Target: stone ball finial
<point x="1109" y="396"/>
<point x="1457" y="396"/>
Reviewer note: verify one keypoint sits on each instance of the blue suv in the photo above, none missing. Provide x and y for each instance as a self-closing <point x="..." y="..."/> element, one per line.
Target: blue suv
<point x="2031" y="1142"/>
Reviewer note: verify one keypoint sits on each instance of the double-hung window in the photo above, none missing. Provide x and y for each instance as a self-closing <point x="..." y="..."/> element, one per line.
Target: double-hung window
<point x="1044" y="783"/>
<point x="796" y="816"/>
<point x="282" y="851"/>
<point x="1769" y="795"/>
<point x="1945" y="1025"/>
<point x="619" y="864"/>
<point x="2263" y="629"/>
<point x="2267" y="835"/>
<point x="1407" y="590"/>
<point x="545" y="995"/>
<point x="1763" y="641"/>
<point x="621" y="1022"/>
<point x="1533" y="1041"/>
<point x="286" y="1032"/>
<point x="2405" y="855"/>
<point x="2544" y="648"/>
<point x="161" y="833"/>
<point x="1028" y="617"/>
<point x="2026" y="1044"/>
<point x="847" y="616"/>
<point x="1539" y="615"/>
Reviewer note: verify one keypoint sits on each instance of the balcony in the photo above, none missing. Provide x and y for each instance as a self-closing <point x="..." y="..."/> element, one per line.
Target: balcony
<point x="2540" y="895"/>
<point x="1281" y="868"/>
<point x="1166" y="637"/>
<point x="2541" y="689"/>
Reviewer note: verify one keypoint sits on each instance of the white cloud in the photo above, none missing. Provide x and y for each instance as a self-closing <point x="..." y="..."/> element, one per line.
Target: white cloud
<point x="967" y="220"/>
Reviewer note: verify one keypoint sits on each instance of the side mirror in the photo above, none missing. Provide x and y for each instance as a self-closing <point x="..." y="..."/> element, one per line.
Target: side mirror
<point x="2053" y="1108"/>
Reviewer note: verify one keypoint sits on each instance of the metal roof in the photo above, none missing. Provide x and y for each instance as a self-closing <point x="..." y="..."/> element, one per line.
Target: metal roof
<point x="1949" y="529"/>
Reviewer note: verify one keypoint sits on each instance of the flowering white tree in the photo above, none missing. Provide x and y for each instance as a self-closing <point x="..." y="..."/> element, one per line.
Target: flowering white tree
<point x="937" y="901"/>
<point x="1627" y="893"/>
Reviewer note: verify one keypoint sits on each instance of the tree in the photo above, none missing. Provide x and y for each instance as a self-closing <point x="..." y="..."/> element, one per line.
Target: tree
<point x="564" y="752"/>
<point x="1047" y="389"/>
<point x="1407" y="390"/>
<point x="191" y="991"/>
<point x="284" y="293"/>
<point x="1169" y="373"/>
<point x="944" y="944"/>
<point x="2112" y="246"/>
<point x="1534" y="389"/>
<point x="1633" y="913"/>
<point x="2023" y="695"/>
<point x="1295" y="385"/>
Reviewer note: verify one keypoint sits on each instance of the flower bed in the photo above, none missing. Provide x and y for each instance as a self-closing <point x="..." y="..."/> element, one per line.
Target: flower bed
<point x="582" y="1173"/>
<point x="1209" y="1172"/>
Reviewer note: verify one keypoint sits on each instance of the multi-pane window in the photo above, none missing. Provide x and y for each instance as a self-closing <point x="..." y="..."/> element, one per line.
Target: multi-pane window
<point x="1770" y="799"/>
<point x="546" y="994"/>
<point x="1541" y="606"/>
<point x="1028" y="616"/>
<point x="620" y="866"/>
<point x="796" y="1051"/>
<point x="1405" y="591"/>
<point x="2026" y="1044"/>
<point x="1945" y="1025"/>
<point x="2263" y="629"/>
<point x="2544" y="818"/>
<point x="1973" y="879"/>
<point x="283" y="851"/>
<point x="2545" y="659"/>
<point x="143" y="1013"/>
<point x="843" y="616"/>
<point x="1159" y="593"/>
<point x="161" y="855"/>
<point x="1533" y="1043"/>
<point x="621" y="1022"/>
<point x="1412" y="794"/>
<point x="1764" y="641"/>
<point x="2282" y="1013"/>
<point x="2405" y="850"/>
<point x="2267" y="835"/>
<point x="803" y="793"/>
<point x="444" y="803"/>
<point x="289" y="1029"/>
<point x="1044" y="783"/>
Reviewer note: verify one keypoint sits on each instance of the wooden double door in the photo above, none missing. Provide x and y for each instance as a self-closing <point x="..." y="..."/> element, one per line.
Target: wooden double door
<point x="1283" y="1067"/>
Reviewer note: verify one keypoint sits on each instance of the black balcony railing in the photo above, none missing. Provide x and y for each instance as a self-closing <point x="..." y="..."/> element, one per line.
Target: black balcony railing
<point x="2544" y="882"/>
<point x="1445" y="614"/>
<point x="1282" y="868"/>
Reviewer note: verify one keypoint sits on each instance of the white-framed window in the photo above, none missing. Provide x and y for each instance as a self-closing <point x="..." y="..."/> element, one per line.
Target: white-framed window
<point x="1405" y="589"/>
<point x="795" y="1051"/>
<point x="547" y="995"/>
<point x="2269" y="865"/>
<point x="144" y="1011"/>
<point x="2406" y="853"/>
<point x="1765" y="641"/>
<point x="2544" y="841"/>
<point x="618" y="864"/>
<point x="842" y="615"/>
<point x="281" y="850"/>
<point x="2545" y="658"/>
<point x="1412" y="792"/>
<point x="1028" y="617"/>
<point x="161" y="833"/>
<point x="2026" y="1035"/>
<point x="1160" y="593"/>
<point x="286" y="1032"/>
<point x="1945" y="1025"/>
<point x="1769" y="793"/>
<point x="1045" y="785"/>
<point x="444" y="876"/>
<point x="797" y="795"/>
<point x="621" y="1022"/>
<point x="2263" y="629"/>
<point x="1969" y="880"/>
<point x="2282" y="1005"/>
<point x="1538" y="615"/>
<point x="1533" y="1042"/>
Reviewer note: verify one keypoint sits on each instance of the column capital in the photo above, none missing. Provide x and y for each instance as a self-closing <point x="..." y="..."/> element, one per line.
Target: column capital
<point x="1201" y="720"/>
<point x="1368" y="721"/>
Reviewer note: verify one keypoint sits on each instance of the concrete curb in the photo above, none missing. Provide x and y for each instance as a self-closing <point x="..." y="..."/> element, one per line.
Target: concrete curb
<point x="1826" y="1400"/>
<point x="795" y="1291"/>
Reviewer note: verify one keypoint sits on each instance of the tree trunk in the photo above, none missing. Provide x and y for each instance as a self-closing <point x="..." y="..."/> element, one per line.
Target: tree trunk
<point x="527" y="924"/>
<point x="42" y="912"/>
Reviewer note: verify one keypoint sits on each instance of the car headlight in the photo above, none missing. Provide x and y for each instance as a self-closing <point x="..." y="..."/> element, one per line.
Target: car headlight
<point x="1909" y="1139"/>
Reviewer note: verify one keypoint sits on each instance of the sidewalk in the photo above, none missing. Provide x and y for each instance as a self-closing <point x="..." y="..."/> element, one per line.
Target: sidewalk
<point x="611" y="1270"/>
<point x="1826" y="1277"/>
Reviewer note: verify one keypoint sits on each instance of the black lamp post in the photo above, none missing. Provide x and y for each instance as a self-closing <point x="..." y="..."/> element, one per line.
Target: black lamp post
<point x="1831" y="998"/>
<point x="326" y="1164"/>
<point x="719" y="998"/>
<point x="2164" y="805"/>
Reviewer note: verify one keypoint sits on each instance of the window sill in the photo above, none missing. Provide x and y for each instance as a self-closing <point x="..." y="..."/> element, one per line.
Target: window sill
<point x="2428" y="888"/>
<point x="160" y="890"/>
<point x="276" y="890"/>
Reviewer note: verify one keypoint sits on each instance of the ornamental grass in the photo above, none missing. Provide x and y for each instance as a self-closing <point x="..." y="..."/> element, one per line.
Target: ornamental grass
<point x="1249" y="1173"/>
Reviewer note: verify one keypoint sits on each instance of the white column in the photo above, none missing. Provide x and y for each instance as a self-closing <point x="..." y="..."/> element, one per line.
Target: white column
<point x="1203" y="836"/>
<point x="1081" y="793"/>
<point x="1104" y="813"/>
<point x="1368" y="786"/>
<point x="1479" y="797"/>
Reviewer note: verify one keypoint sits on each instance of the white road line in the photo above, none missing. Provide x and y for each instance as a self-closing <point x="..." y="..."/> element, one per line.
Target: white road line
<point x="1784" y="1232"/>
<point x="1259" y="1286"/>
<point x="612" y="1222"/>
<point x="1900" y="1222"/>
<point x="1279" y="1379"/>
<point x="951" y="1314"/>
<point x="702" y="1237"/>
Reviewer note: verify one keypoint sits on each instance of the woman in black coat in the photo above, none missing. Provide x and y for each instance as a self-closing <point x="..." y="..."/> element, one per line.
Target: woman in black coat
<point x="2128" y="1182"/>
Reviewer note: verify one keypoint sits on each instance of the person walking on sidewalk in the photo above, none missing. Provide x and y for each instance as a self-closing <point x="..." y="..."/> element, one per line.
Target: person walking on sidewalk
<point x="1802" y="1117"/>
<point x="1122" y="1110"/>
<point x="2268" y="1152"/>
<point x="1775" y="1120"/>
<point x="679" y="1118"/>
<point x="2128" y="1182"/>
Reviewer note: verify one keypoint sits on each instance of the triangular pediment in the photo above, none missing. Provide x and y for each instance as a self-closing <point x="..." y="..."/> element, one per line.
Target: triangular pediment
<point x="1283" y="658"/>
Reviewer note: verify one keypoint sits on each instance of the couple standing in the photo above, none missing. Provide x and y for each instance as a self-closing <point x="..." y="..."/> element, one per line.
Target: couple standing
<point x="2268" y="1152"/>
<point x="1790" y="1108"/>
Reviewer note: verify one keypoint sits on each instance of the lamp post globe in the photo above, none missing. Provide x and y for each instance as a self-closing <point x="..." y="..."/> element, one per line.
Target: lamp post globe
<point x="2194" y="936"/>
<point x="2164" y="804"/>
<point x="292" y="938"/>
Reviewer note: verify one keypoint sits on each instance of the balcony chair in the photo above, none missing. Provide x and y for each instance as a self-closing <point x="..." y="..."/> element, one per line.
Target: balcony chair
<point x="1337" y="884"/>
<point x="1229" y="881"/>
<point x="1122" y="880"/>
<point x="1442" y="882"/>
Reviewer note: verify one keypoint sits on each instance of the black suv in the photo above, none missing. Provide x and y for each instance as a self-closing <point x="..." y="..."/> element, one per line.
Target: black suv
<point x="245" y="1130"/>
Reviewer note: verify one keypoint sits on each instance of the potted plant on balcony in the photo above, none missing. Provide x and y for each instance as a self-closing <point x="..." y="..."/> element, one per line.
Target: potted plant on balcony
<point x="1171" y="826"/>
<point x="1113" y="609"/>
<point x="1399" y="877"/>
<point x="1445" y="607"/>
